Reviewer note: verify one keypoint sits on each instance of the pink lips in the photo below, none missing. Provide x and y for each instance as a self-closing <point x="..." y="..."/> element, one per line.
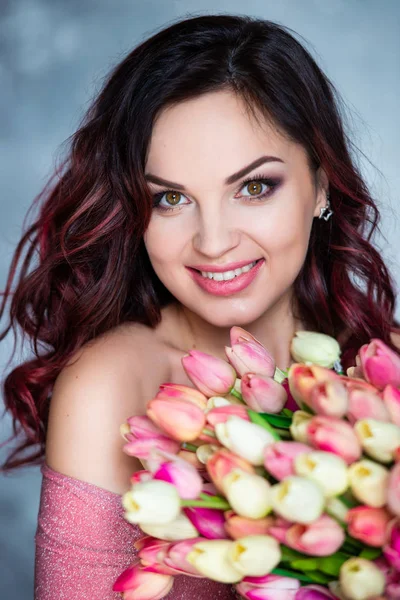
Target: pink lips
<point x="226" y="288"/>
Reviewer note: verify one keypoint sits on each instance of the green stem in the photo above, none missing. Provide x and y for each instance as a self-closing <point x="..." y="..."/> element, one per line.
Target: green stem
<point x="237" y="394"/>
<point x="209" y="432"/>
<point x="189" y="447"/>
<point x="280" y="375"/>
<point x="215" y="502"/>
<point x="258" y="420"/>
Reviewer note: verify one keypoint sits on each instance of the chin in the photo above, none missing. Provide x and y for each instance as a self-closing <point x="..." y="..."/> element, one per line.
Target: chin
<point x="239" y="312"/>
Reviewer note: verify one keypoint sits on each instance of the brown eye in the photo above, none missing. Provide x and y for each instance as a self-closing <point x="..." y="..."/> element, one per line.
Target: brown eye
<point x="255" y="188"/>
<point x="172" y="197"/>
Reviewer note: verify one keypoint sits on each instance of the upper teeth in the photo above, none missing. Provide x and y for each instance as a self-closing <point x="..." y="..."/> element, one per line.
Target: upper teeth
<point x="226" y="275"/>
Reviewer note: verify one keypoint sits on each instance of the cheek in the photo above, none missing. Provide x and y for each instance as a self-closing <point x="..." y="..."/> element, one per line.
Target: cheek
<point x="163" y="243"/>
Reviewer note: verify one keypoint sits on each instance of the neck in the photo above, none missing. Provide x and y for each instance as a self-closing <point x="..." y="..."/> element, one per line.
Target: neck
<point x="274" y="329"/>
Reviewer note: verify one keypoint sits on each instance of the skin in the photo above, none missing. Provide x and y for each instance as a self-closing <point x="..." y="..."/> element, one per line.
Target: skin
<point x="198" y="144"/>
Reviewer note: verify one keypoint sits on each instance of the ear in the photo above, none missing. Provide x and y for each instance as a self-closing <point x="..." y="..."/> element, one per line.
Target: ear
<point x="321" y="190"/>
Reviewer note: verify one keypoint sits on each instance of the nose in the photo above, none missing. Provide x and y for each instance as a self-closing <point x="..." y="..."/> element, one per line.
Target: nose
<point x="215" y="233"/>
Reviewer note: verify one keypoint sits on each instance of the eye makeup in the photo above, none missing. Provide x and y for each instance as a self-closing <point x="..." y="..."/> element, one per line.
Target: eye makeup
<point x="271" y="182"/>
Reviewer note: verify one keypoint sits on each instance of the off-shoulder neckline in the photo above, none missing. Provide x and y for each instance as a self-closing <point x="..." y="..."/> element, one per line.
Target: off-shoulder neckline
<point x="46" y="470"/>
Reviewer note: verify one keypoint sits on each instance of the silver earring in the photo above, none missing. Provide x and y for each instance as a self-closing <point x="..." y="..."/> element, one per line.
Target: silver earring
<point x="326" y="212"/>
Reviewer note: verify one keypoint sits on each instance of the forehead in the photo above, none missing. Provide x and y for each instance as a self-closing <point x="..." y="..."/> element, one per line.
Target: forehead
<point x="213" y="134"/>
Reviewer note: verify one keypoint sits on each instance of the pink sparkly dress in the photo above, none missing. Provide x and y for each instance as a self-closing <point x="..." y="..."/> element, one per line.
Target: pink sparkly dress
<point x="83" y="543"/>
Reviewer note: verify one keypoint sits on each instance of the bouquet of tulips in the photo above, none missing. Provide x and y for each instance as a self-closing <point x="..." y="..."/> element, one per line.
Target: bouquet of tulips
<point x="283" y="485"/>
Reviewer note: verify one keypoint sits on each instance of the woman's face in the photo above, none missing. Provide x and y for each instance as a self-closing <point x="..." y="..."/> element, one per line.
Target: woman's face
<point x="208" y="220"/>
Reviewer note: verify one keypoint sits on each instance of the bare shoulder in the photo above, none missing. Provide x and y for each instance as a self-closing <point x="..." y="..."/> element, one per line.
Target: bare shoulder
<point x="108" y="380"/>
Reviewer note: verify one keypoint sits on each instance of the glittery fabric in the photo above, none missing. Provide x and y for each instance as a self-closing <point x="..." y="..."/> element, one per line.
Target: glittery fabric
<point x="83" y="543"/>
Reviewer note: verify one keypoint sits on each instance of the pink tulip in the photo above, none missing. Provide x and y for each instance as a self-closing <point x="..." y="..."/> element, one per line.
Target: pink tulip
<point x="329" y="398"/>
<point x="142" y="448"/>
<point x="365" y="404"/>
<point x="391" y="550"/>
<point x="222" y="463"/>
<point x="222" y="414"/>
<point x="176" y="558"/>
<point x="262" y="393"/>
<point x="302" y="379"/>
<point x="182" y="392"/>
<point x="142" y="427"/>
<point x="249" y="356"/>
<point x="211" y="375"/>
<point x="380" y="365"/>
<point x="135" y="583"/>
<point x="209" y="522"/>
<point x="334" y="435"/>
<point x="152" y="553"/>
<point x="368" y="524"/>
<point x="323" y="537"/>
<point x="314" y="592"/>
<point x="139" y="476"/>
<point x="279" y="458"/>
<point x="391" y="399"/>
<point x="182" y="475"/>
<point x="180" y="419"/>
<point x="269" y="587"/>
<point x="238" y="334"/>
<point x="191" y="458"/>
<point x="393" y="493"/>
<point x="238" y="527"/>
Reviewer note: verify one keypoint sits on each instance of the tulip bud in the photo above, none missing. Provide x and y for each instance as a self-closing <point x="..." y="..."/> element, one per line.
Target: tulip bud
<point x="378" y="439"/>
<point x="360" y="579"/>
<point x="391" y="399"/>
<point x="368" y="482"/>
<point x="142" y="448"/>
<point x="323" y="537"/>
<point x="211" y="375"/>
<point x="143" y="584"/>
<point x="328" y="470"/>
<point x="209" y="522"/>
<point x="222" y="414"/>
<point x="393" y="492"/>
<point x="152" y="553"/>
<point x="316" y="348"/>
<point x="237" y="526"/>
<point x="182" y="475"/>
<point x="211" y="558"/>
<point x="206" y="451"/>
<point x="334" y="435"/>
<point x="250" y="357"/>
<point x="217" y="402"/>
<point x="224" y="462"/>
<point x="279" y="458"/>
<point x="329" y="398"/>
<point x="179" y="529"/>
<point x="391" y="549"/>
<point x="297" y="499"/>
<point x="314" y="592"/>
<point x="255" y="555"/>
<point x="151" y="502"/>
<point x="248" y="440"/>
<point x="380" y="365"/>
<point x="181" y="420"/>
<point x="191" y="458"/>
<point x="303" y="378"/>
<point x="140" y="426"/>
<point x="299" y="426"/>
<point x="262" y="393"/>
<point x="366" y="405"/>
<point x="368" y="524"/>
<point x="176" y="557"/>
<point x="179" y="391"/>
<point x="269" y="587"/>
<point x="249" y="495"/>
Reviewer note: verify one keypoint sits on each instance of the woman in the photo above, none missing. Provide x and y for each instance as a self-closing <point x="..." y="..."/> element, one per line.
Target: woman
<point x="211" y="184"/>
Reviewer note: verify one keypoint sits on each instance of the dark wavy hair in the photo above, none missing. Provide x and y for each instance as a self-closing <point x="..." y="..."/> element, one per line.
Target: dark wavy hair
<point x="92" y="271"/>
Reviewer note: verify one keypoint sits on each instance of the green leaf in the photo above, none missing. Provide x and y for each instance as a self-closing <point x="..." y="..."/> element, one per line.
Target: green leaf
<point x="286" y="412"/>
<point x="292" y="574"/>
<point x="318" y="577"/>
<point x="305" y="564"/>
<point x="277" y="420"/>
<point x="330" y="565"/>
<point x="370" y="553"/>
<point x="258" y="420"/>
<point x="280" y="375"/>
<point x="288" y="554"/>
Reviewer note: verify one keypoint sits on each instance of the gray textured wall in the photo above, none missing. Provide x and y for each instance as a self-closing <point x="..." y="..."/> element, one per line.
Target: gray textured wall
<point x="53" y="55"/>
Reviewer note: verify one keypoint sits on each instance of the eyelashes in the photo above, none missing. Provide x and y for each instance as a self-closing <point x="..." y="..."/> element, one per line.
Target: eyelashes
<point x="271" y="182"/>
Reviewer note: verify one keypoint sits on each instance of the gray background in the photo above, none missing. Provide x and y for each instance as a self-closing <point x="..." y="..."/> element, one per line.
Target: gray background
<point x="53" y="56"/>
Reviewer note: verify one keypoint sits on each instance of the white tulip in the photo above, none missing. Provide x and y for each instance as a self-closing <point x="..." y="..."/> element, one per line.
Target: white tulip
<point x="255" y="555"/>
<point x="361" y="579"/>
<point x="326" y="469"/>
<point x="205" y="451"/>
<point x="336" y="509"/>
<point x="179" y="529"/>
<point x="297" y="499"/>
<point x="315" y="348"/>
<point x="248" y="494"/>
<point x="245" y="439"/>
<point x="378" y="439"/>
<point x="211" y="559"/>
<point x="368" y="482"/>
<point x="298" y="428"/>
<point x="151" y="501"/>
<point x="217" y="402"/>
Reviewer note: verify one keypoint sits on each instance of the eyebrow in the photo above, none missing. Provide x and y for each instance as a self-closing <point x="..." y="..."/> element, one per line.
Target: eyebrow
<point x="228" y="181"/>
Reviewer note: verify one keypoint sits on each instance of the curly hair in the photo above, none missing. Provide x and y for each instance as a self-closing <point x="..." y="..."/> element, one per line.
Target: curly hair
<point x="92" y="271"/>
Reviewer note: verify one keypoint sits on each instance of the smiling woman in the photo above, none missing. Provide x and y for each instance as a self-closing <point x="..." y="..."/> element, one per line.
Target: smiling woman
<point x="210" y="184"/>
